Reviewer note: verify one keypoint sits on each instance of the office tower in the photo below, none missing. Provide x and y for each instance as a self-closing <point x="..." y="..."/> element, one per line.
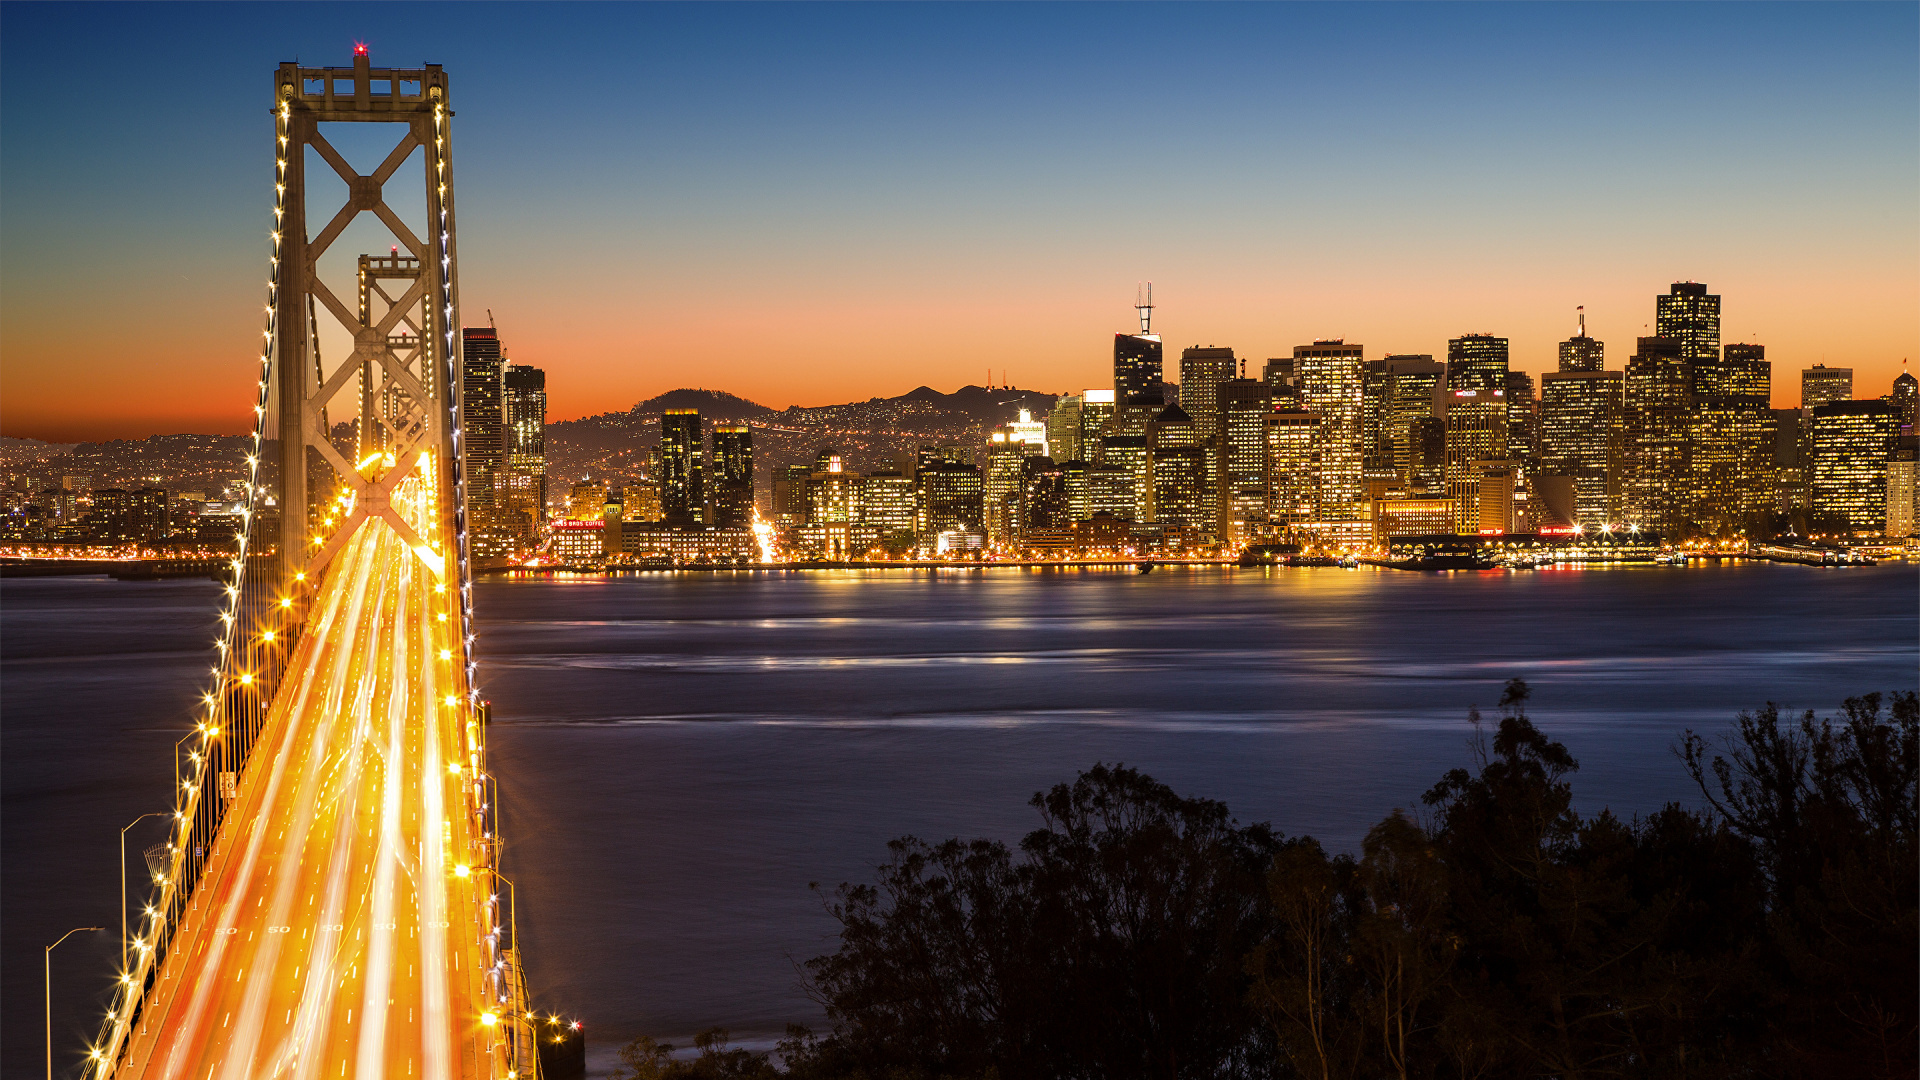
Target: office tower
<point x="1181" y="467"/>
<point x="1244" y="405"/>
<point x="1689" y="315"/>
<point x="732" y="475"/>
<point x="1137" y="358"/>
<point x="1030" y="431"/>
<point x="1096" y="412"/>
<point x="1128" y="453"/>
<point x="1293" y="487"/>
<point x="1332" y="385"/>
<point x="1901" y="468"/>
<point x="1376" y="400"/>
<point x="107" y="518"/>
<point x="1906" y="401"/>
<point x="1582" y="353"/>
<point x="1476" y="419"/>
<point x="834" y="495"/>
<point x="1820" y="385"/>
<point x="1203" y="371"/>
<point x="1656" y="431"/>
<point x="1789" y="432"/>
<point x="1427" y="454"/>
<point x="1413" y="384"/>
<point x="146" y="514"/>
<point x="682" y="479"/>
<point x="790" y="495"/>
<point x="587" y="501"/>
<point x="1523" y="418"/>
<point x="1041" y="498"/>
<point x="1729" y="453"/>
<point x="1852" y="441"/>
<point x="1006" y="449"/>
<point x="1279" y="374"/>
<point x="887" y="503"/>
<point x="482" y="441"/>
<point x="524" y="406"/>
<point x="948" y="493"/>
<point x="640" y="502"/>
<point x="1580" y="425"/>
<point x="1495" y="486"/>
<point x="1063" y="427"/>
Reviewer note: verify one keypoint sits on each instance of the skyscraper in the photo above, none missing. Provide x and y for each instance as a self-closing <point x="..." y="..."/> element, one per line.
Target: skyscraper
<point x="525" y="407"/>
<point x="1203" y="371"/>
<point x="732" y="475"/>
<point x="1006" y="449"/>
<point x="482" y="441"/>
<point x="1820" y="385"/>
<point x="1731" y="452"/>
<point x="1063" y="428"/>
<point x="1658" y="429"/>
<point x="1906" y="400"/>
<point x="1137" y="358"/>
<point x="1181" y="463"/>
<point x="1689" y="315"/>
<point x="1332" y="387"/>
<point x="1096" y="411"/>
<point x="1580" y="418"/>
<point x="1476" y="419"/>
<point x="1244" y="405"/>
<point x="1293" y="488"/>
<point x="682" y="488"/>
<point x="1852" y="442"/>
<point x="1415" y="383"/>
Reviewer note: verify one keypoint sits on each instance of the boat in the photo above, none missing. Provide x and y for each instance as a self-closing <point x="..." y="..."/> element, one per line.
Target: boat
<point x="1145" y="567"/>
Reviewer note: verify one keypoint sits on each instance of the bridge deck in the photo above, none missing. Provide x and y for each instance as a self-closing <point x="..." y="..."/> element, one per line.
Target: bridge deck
<point x="335" y="932"/>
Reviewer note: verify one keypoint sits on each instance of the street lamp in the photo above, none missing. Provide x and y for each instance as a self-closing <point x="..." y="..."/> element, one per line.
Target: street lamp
<point x="47" y="968"/>
<point x="123" y="882"/>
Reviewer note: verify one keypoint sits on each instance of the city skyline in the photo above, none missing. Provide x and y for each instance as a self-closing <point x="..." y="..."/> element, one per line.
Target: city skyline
<point x="937" y="196"/>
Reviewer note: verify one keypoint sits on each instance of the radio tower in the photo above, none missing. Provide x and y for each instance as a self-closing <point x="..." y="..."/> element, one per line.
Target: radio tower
<point x="1143" y="303"/>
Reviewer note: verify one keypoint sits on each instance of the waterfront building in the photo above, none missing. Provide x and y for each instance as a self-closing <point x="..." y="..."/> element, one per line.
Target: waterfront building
<point x="1822" y="385"/>
<point x="1410" y="516"/>
<point x="1476" y="416"/>
<point x="1063" y="427"/>
<point x="1657" y="429"/>
<point x="1043" y="518"/>
<point x="1730" y="453"/>
<point x="524" y="493"/>
<point x="690" y="544"/>
<point x="1852" y="442"/>
<point x="640" y="503"/>
<point x="1580" y="425"/>
<point x="682" y="487"/>
<point x="1502" y="501"/>
<point x="579" y="542"/>
<point x="1293" y="489"/>
<point x="1244" y="405"/>
<point x="1688" y="314"/>
<point x="1203" y="371"/>
<point x="1332" y="387"/>
<point x="732" y="475"/>
<point x="1110" y="491"/>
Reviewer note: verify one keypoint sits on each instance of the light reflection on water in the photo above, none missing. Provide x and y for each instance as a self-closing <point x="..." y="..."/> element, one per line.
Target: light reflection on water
<point x="681" y="755"/>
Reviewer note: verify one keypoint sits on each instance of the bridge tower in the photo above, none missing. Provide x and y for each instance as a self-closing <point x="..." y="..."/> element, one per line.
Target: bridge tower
<point x="344" y="658"/>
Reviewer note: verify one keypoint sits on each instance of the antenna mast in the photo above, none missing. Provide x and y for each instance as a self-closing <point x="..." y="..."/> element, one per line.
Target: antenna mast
<point x="1582" y="309"/>
<point x="1144" y="307"/>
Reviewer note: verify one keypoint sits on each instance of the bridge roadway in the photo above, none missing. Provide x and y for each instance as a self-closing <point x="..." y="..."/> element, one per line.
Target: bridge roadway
<point x="338" y="930"/>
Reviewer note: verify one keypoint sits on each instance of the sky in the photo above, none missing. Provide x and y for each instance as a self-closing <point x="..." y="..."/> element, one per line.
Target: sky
<point x="813" y="203"/>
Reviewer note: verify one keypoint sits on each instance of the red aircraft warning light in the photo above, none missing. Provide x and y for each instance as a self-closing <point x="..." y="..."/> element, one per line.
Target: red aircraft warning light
<point x="359" y="48"/>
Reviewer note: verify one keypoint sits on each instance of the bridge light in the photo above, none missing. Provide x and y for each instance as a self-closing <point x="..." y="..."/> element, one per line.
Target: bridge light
<point x="462" y="870"/>
<point x="489" y="1019"/>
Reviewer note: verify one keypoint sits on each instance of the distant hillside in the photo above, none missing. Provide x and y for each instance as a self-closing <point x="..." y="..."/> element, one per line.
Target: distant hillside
<point x="717" y="404"/>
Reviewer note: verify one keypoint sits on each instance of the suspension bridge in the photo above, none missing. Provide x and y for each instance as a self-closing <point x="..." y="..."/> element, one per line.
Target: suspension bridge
<point x="329" y="902"/>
